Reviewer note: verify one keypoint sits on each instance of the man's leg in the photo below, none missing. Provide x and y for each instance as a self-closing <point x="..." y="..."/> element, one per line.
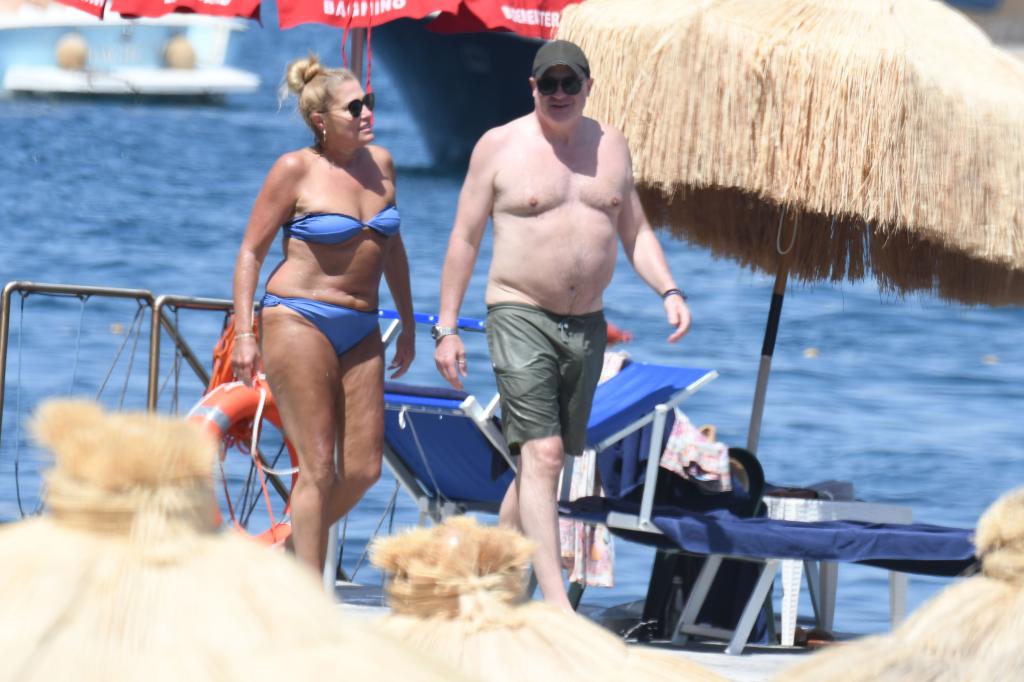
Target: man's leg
<point x="508" y="513"/>
<point x="539" y="467"/>
<point x="521" y="342"/>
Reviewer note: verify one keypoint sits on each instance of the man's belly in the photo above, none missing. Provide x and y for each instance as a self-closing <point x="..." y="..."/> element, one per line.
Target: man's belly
<point x="563" y="268"/>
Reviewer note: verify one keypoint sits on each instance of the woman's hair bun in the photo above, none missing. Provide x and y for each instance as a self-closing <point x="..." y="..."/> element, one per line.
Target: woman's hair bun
<point x="302" y="71"/>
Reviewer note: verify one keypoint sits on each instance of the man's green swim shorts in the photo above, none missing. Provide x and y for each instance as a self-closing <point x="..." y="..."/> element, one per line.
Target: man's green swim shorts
<point x="547" y="367"/>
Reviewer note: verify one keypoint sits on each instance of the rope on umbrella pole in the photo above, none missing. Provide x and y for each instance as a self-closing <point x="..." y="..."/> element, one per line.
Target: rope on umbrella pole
<point x="778" y="234"/>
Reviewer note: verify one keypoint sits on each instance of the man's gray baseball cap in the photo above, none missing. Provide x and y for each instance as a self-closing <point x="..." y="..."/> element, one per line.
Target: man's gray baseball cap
<point x="561" y="52"/>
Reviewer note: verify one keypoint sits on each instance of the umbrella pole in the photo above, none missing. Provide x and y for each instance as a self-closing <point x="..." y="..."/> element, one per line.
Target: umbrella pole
<point x="767" y="350"/>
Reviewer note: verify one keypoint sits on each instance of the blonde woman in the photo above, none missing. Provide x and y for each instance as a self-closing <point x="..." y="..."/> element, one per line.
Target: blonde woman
<point x="322" y="353"/>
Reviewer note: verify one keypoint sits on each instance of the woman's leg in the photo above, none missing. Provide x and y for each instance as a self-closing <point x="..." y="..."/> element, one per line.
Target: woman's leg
<point x="360" y="421"/>
<point x="304" y="377"/>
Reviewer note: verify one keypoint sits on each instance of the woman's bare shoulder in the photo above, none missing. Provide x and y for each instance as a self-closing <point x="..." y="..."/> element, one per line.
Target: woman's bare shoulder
<point x="384" y="167"/>
<point x="294" y="162"/>
<point x="381" y="156"/>
<point x="289" y="169"/>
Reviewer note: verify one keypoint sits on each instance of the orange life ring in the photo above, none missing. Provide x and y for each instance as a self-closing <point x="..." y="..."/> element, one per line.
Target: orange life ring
<point x="225" y="408"/>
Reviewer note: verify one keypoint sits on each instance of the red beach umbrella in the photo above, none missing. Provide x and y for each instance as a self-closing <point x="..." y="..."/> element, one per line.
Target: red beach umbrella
<point x="93" y="7"/>
<point x="532" y="18"/>
<point x="243" y="9"/>
<point x="350" y="14"/>
<point x="347" y="14"/>
<point x="344" y="14"/>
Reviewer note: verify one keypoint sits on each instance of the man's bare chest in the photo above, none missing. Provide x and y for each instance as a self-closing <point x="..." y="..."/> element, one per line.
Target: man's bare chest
<point x="530" y="185"/>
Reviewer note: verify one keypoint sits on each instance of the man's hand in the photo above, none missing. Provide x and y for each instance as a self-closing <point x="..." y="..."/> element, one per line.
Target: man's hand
<point x="450" y="358"/>
<point x="405" y="352"/>
<point x="678" y="314"/>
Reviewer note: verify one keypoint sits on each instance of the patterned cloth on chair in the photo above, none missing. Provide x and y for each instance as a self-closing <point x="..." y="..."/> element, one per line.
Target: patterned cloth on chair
<point x="587" y="550"/>
<point x="694" y="454"/>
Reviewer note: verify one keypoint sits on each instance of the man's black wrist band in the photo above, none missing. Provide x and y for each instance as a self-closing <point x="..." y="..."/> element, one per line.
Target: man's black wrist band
<point x="672" y="292"/>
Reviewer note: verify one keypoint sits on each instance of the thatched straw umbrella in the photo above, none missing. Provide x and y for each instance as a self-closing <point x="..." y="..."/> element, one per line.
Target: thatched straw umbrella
<point x="972" y="630"/>
<point x="822" y="140"/>
<point x="127" y="578"/>
<point x="456" y="592"/>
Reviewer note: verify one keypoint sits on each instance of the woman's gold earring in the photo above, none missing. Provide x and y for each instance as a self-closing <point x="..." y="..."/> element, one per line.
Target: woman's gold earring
<point x="323" y="131"/>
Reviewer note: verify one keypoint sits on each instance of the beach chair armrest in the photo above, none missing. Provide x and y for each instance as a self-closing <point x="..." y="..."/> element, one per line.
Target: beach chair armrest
<point x="653" y="463"/>
<point x="472" y="408"/>
<point x="390" y="332"/>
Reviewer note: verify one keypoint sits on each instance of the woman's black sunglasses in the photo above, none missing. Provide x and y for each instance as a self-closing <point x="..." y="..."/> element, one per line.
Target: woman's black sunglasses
<point x="355" y="107"/>
<point x="571" y="85"/>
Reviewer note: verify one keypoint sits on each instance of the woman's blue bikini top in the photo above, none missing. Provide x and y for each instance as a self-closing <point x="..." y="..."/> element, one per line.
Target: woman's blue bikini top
<point x="335" y="228"/>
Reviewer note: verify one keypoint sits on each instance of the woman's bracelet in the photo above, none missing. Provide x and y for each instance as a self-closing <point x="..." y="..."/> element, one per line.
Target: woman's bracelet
<point x="672" y="292"/>
<point x="243" y="334"/>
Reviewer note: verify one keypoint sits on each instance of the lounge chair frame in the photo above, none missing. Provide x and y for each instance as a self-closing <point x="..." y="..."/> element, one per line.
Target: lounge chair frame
<point x="437" y="508"/>
<point x="821" y="574"/>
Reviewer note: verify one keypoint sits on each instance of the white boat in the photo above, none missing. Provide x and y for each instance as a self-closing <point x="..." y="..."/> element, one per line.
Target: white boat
<point x="55" y="49"/>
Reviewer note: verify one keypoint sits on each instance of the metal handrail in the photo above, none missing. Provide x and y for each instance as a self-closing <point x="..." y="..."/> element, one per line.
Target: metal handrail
<point x="158" y="305"/>
<point x="160" y="318"/>
<point x="25" y="287"/>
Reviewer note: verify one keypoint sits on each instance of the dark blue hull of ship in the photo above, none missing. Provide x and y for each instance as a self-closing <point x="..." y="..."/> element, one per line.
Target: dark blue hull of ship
<point x="456" y="86"/>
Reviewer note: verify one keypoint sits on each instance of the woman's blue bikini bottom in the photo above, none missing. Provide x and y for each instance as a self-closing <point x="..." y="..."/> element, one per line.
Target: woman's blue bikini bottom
<point x="343" y="327"/>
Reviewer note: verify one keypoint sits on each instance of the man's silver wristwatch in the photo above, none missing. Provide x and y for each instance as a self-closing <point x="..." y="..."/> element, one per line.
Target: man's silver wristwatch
<point x="438" y="333"/>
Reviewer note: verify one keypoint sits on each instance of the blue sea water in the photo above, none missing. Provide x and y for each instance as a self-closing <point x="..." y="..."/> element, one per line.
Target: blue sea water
<point x="915" y="401"/>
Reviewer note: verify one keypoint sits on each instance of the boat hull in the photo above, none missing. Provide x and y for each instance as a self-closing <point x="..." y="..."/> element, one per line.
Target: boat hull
<point x="457" y="86"/>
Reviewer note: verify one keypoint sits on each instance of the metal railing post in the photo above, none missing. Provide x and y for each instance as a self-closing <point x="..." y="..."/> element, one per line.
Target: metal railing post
<point x="5" y="324"/>
<point x="56" y="289"/>
<point x="160" y="319"/>
<point x="153" y="381"/>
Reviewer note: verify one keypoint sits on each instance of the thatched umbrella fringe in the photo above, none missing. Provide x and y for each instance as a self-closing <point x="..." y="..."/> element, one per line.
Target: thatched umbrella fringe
<point x="484" y="628"/>
<point x="893" y="157"/>
<point x="126" y="578"/>
<point x="741" y="226"/>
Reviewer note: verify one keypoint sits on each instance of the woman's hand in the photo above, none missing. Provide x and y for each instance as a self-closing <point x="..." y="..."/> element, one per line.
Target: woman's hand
<point x="245" y="360"/>
<point x="405" y="352"/>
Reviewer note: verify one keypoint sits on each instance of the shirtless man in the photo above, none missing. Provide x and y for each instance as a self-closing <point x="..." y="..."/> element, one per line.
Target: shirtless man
<point x="558" y="187"/>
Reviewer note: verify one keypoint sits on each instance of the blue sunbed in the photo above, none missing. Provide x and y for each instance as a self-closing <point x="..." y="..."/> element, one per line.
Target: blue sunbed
<point x="449" y="462"/>
<point x="910" y="548"/>
<point x="447" y="450"/>
<point x="720" y="534"/>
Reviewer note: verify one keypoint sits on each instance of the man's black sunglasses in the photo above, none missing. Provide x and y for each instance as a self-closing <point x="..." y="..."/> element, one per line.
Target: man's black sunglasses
<point x="355" y="107"/>
<point x="571" y="85"/>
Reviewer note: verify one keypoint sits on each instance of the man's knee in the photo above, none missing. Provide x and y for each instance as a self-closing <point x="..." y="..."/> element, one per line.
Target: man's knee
<point x="544" y="456"/>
